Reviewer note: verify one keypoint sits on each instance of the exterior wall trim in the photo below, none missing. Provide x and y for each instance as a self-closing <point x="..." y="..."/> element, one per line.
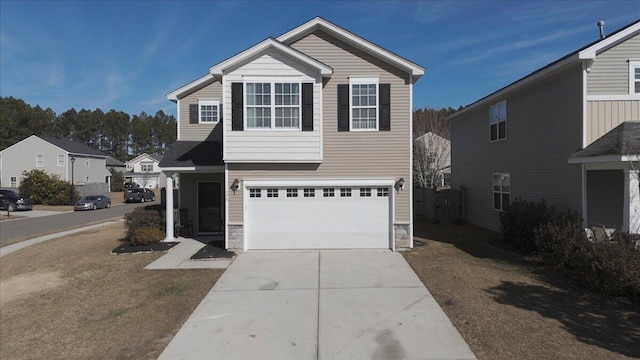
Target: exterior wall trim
<point x="195" y="169"/>
<point x="320" y="182"/>
<point x="626" y="97"/>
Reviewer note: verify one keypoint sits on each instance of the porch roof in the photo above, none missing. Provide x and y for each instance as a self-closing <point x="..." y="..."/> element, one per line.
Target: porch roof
<point x="620" y="144"/>
<point x="193" y="154"/>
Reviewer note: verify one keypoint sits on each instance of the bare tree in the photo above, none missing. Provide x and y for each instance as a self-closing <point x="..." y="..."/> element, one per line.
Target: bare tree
<point x="431" y="146"/>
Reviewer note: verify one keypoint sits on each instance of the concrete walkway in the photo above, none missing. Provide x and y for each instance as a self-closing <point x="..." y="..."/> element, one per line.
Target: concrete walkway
<point x="318" y="305"/>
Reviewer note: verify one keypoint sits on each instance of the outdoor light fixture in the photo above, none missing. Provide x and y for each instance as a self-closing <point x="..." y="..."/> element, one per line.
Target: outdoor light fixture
<point x="235" y="185"/>
<point x="399" y="184"/>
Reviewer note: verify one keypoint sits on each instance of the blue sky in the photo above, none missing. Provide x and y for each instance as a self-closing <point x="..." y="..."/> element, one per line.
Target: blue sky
<point x="127" y="55"/>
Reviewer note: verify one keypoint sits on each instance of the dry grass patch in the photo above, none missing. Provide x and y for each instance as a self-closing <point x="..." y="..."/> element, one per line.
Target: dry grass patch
<point x="508" y="307"/>
<point x="70" y="298"/>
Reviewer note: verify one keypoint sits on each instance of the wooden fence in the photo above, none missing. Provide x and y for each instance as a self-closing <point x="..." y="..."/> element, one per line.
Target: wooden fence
<point x="445" y="206"/>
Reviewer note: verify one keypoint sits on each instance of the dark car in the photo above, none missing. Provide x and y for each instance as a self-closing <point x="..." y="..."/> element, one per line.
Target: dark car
<point x="131" y="185"/>
<point x="139" y="195"/>
<point x="11" y="201"/>
<point x="92" y="202"/>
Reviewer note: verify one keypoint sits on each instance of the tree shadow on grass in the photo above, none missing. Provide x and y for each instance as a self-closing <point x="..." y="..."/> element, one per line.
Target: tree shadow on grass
<point x="612" y="324"/>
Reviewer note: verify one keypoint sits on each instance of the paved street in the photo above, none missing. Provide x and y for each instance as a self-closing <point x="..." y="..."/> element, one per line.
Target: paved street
<point x="27" y="227"/>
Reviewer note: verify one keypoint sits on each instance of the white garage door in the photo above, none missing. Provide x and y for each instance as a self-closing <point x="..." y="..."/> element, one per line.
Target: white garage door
<point x="319" y="218"/>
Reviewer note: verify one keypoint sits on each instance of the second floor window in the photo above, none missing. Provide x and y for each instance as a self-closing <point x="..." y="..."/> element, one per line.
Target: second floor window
<point x="209" y="112"/>
<point x="146" y="167"/>
<point x="39" y="160"/>
<point x="60" y="159"/>
<point x="273" y="105"/>
<point x="364" y="103"/>
<point x="498" y="120"/>
<point x="634" y="77"/>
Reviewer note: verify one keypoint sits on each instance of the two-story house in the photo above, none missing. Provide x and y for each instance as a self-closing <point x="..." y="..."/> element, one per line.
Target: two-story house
<point x="299" y="142"/>
<point x="70" y="160"/>
<point x="567" y="133"/>
<point x="144" y="170"/>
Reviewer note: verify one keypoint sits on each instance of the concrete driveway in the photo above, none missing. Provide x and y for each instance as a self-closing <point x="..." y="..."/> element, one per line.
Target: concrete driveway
<point x="318" y="305"/>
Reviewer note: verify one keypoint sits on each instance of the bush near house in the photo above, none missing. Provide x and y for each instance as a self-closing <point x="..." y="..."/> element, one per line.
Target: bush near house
<point x="47" y="189"/>
<point x="117" y="180"/>
<point x="144" y="221"/>
<point x="559" y="239"/>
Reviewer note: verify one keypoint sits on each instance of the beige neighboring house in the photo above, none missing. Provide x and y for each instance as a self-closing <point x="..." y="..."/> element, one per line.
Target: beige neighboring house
<point x="67" y="159"/>
<point x="144" y="170"/>
<point x="432" y="156"/>
<point x="567" y="133"/>
<point x="302" y="141"/>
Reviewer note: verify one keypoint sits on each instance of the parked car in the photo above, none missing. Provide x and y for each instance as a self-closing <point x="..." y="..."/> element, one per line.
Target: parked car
<point x="12" y="201"/>
<point x="92" y="202"/>
<point x="131" y="185"/>
<point x="139" y="195"/>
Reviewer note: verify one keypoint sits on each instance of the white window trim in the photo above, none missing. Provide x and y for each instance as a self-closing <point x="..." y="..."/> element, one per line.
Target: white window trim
<point x="88" y="162"/>
<point x="364" y="80"/>
<point x="498" y="138"/>
<point x="13" y="180"/>
<point x="272" y="81"/>
<point x="215" y="103"/>
<point x="39" y="160"/>
<point x="501" y="191"/>
<point x="61" y="157"/>
<point x="633" y="64"/>
<point x="143" y="164"/>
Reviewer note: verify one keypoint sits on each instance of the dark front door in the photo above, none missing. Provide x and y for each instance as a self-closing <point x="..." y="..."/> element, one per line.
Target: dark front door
<point x="209" y="207"/>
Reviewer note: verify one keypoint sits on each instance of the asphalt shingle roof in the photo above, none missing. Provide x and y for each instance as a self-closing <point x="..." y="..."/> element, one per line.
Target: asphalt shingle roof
<point x="193" y="153"/>
<point x="72" y="146"/>
<point x="622" y="140"/>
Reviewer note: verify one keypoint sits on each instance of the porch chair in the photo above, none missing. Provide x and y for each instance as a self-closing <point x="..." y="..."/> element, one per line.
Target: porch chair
<point x="182" y="222"/>
<point x="600" y="233"/>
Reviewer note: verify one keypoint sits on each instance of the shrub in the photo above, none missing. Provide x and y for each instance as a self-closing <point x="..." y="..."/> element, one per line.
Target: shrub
<point x="47" y="189"/>
<point x="117" y="180"/>
<point x="143" y="218"/>
<point x="560" y="239"/>
<point x="147" y="235"/>
<point x="520" y="219"/>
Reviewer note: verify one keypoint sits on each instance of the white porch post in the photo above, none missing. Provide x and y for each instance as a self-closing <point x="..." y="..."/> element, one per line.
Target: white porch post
<point x="631" y="213"/>
<point x="169" y="209"/>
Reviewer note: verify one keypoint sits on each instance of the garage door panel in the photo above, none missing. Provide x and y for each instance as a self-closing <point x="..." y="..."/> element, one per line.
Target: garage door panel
<point x="318" y="222"/>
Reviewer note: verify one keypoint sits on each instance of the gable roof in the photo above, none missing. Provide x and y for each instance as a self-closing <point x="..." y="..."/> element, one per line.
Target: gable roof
<point x="113" y="162"/>
<point x="71" y="146"/>
<point x="381" y="53"/>
<point x="621" y="142"/>
<point x="282" y="44"/>
<point x="587" y="52"/>
<point x="155" y="157"/>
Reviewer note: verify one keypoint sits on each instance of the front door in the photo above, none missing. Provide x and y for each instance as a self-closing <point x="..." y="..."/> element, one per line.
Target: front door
<point x="209" y="214"/>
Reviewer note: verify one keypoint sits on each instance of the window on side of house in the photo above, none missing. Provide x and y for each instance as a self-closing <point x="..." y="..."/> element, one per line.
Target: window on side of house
<point x="40" y="160"/>
<point x="501" y="190"/>
<point x="146" y="167"/>
<point x="363" y="93"/>
<point x="61" y="161"/>
<point x="634" y="77"/>
<point x="273" y="105"/>
<point x="498" y="120"/>
<point x="88" y="162"/>
<point x="14" y="182"/>
<point x="208" y="111"/>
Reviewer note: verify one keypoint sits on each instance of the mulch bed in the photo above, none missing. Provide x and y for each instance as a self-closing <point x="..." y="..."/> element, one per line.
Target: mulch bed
<point x="127" y="248"/>
<point x="213" y="250"/>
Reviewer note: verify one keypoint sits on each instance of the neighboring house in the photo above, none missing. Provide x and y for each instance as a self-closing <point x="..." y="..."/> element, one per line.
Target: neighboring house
<point x="144" y="170"/>
<point x="432" y="160"/>
<point x="299" y="142"/>
<point x="564" y="133"/>
<point x="68" y="159"/>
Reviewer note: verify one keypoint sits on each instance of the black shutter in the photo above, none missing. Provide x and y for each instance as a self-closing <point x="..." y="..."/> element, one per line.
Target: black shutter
<point x="343" y="107"/>
<point x="385" y="107"/>
<point x="220" y="112"/>
<point x="237" y="103"/>
<point x="307" y="107"/>
<point x="193" y="113"/>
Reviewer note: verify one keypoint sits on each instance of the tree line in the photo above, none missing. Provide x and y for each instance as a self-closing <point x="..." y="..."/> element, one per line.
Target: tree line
<point x="115" y="133"/>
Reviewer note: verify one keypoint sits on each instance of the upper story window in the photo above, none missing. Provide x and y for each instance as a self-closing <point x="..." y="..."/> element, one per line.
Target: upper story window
<point x="39" y="160"/>
<point x="14" y="181"/>
<point x="208" y="111"/>
<point x="88" y="162"/>
<point x="61" y="160"/>
<point x="363" y="93"/>
<point x="634" y="76"/>
<point x="273" y="105"/>
<point x="501" y="190"/>
<point x="146" y="167"/>
<point x="498" y="120"/>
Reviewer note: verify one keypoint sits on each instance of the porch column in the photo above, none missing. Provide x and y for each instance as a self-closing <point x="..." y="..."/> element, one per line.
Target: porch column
<point x="631" y="214"/>
<point x="169" y="209"/>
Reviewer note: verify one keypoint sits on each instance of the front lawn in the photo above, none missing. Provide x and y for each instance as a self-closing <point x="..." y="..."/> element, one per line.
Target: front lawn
<point x="69" y="298"/>
<point x="506" y="306"/>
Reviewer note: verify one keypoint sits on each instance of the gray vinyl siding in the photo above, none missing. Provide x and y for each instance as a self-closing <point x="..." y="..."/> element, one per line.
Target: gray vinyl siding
<point x="609" y="73"/>
<point x="603" y="116"/>
<point x="200" y="132"/>
<point x="379" y="154"/>
<point x="605" y="194"/>
<point x="544" y="127"/>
